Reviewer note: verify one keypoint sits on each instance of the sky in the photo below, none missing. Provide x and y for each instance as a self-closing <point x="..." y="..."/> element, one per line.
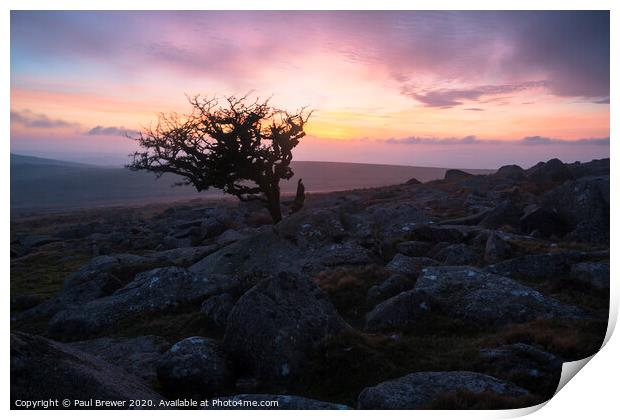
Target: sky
<point x="446" y="89"/>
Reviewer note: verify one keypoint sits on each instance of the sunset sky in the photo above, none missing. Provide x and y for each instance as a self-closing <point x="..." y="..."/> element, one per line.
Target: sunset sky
<point x="460" y="89"/>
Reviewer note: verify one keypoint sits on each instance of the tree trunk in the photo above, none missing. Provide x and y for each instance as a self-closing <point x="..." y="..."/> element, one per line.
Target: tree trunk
<point x="273" y="203"/>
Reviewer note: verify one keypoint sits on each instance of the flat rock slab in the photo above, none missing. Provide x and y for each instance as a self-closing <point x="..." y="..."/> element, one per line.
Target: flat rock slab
<point x="33" y="241"/>
<point x="396" y="219"/>
<point x="123" y="266"/>
<point x="595" y="274"/>
<point x="537" y="266"/>
<point x="184" y="257"/>
<point x="395" y="284"/>
<point x="409" y="266"/>
<point x="413" y="248"/>
<point x="523" y="364"/>
<point x="522" y="357"/>
<point x="137" y="355"/>
<point x="488" y="299"/>
<point x="270" y="252"/>
<point x="400" y="312"/>
<point x="420" y="390"/>
<point x="265" y="253"/>
<point x="457" y="254"/>
<point x="44" y="369"/>
<point x="152" y="291"/>
<point x="312" y="228"/>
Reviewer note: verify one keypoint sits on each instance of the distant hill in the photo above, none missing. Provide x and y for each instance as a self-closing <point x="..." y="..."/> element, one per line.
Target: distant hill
<point x="39" y="184"/>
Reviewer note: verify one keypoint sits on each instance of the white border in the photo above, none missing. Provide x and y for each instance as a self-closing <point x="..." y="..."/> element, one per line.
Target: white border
<point x="593" y="394"/>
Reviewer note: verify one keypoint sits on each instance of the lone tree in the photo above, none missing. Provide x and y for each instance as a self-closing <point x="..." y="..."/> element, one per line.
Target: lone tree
<point x="243" y="148"/>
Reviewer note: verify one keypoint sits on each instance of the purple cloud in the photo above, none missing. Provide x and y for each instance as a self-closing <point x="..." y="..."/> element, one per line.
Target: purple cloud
<point x="434" y="140"/>
<point x="448" y="98"/>
<point x="110" y="131"/>
<point x="572" y="47"/>
<point x="568" y="49"/>
<point x="29" y="119"/>
<point x="473" y="140"/>
<point x="542" y="141"/>
<point x="602" y="100"/>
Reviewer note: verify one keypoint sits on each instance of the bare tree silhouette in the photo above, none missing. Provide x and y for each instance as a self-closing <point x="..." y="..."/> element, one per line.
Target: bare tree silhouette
<point x="242" y="147"/>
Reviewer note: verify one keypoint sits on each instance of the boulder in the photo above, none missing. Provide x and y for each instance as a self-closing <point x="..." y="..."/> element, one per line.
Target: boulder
<point x="226" y="214"/>
<point x="471" y="220"/>
<point x="76" y="231"/>
<point x="333" y="255"/>
<point x="271" y="402"/>
<point x="436" y="248"/>
<point x="211" y="227"/>
<point x="524" y="365"/>
<point x="396" y="219"/>
<point x="313" y="228"/>
<point x="31" y="241"/>
<point x="400" y="312"/>
<point x="584" y="206"/>
<point x="506" y="213"/>
<point x="487" y="300"/>
<point x="217" y="308"/>
<point x="137" y="355"/>
<point x="594" y="274"/>
<point x="596" y="167"/>
<point x="546" y="222"/>
<point x="413" y="248"/>
<point x="99" y="285"/>
<point x="198" y="230"/>
<point x="229" y="236"/>
<point x="456" y="175"/>
<point x="409" y="266"/>
<point x="513" y="172"/>
<point x="537" y="266"/>
<point x="457" y="254"/>
<point x="268" y="253"/>
<point x="174" y="242"/>
<point x="552" y="171"/>
<point x="123" y="266"/>
<point x="430" y="233"/>
<point x="420" y="390"/>
<point x="192" y="233"/>
<point x="153" y="291"/>
<point x="42" y="369"/>
<point x="196" y="367"/>
<point x="392" y="286"/>
<point x="183" y="257"/>
<point x="265" y="253"/>
<point x="276" y="324"/>
<point x="496" y="249"/>
<point x="456" y="202"/>
<point x="360" y="225"/>
<point x="185" y="224"/>
<point x="479" y="240"/>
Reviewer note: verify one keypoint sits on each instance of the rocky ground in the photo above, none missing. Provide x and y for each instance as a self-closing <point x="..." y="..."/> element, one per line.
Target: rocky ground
<point x="466" y="292"/>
